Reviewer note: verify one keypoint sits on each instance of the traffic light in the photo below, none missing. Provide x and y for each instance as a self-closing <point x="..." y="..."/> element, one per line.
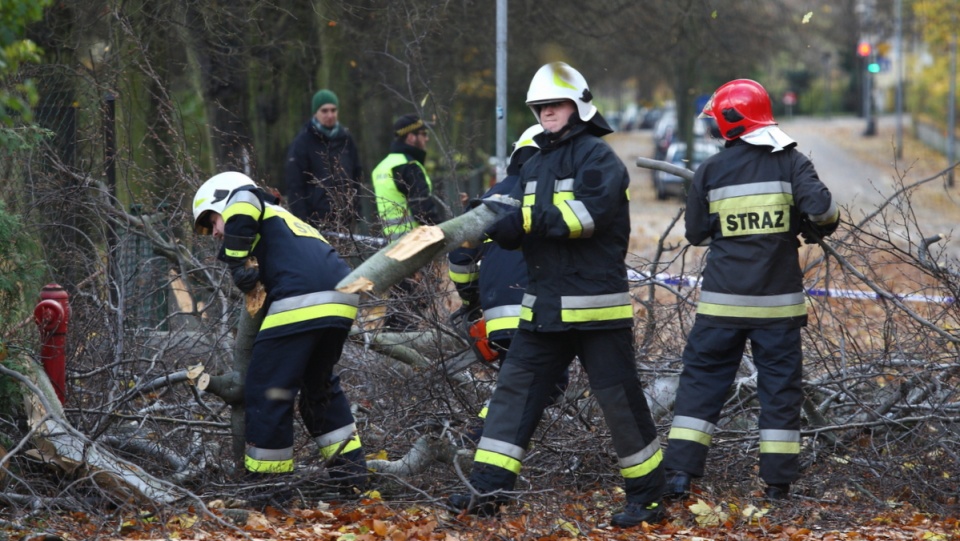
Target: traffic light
<point x="873" y="67"/>
<point x="864" y="49"/>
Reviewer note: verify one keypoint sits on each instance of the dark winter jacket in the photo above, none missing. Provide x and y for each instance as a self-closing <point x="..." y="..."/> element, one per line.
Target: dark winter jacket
<point x="322" y="174"/>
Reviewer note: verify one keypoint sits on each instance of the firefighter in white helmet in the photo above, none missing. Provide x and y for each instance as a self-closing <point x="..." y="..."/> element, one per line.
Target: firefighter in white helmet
<point x="303" y="331"/>
<point x="573" y="227"/>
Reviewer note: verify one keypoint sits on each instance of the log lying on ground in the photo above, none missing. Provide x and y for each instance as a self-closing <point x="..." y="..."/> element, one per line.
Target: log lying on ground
<point x="58" y="442"/>
<point x="417" y="248"/>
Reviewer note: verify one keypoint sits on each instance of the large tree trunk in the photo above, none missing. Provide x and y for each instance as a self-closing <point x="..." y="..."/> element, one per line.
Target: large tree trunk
<point x="60" y="443"/>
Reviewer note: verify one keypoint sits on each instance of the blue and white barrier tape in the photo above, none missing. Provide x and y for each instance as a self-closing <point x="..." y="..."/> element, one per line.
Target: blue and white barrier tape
<point x="831" y="293"/>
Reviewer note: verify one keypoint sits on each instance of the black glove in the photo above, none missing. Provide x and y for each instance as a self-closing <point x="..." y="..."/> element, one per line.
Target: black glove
<point x="508" y="230"/>
<point x="812" y="233"/>
<point x="501" y="205"/>
<point x="245" y="279"/>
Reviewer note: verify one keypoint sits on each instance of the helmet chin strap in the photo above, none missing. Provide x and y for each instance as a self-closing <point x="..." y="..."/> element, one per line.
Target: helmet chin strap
<point x="571" y="122"/>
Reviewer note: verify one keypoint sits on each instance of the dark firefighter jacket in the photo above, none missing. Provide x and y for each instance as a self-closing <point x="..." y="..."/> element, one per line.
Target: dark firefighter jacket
<point x="298" y="268"/>
<point x="748" y="204"/>
<point x="576" y="227"/>
<point x="316" y="166"/>
<point x="493" y="277"/>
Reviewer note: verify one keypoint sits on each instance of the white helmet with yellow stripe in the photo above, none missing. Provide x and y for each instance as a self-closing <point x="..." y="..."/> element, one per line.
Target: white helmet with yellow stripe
<point x="212" y="197"/>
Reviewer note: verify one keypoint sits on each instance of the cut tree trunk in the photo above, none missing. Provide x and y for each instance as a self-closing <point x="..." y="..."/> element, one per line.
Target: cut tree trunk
<point x="57" y="442"/>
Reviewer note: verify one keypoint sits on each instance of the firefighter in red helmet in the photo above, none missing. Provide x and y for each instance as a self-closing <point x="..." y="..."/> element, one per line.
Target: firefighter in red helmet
<point x="748" y="203"/>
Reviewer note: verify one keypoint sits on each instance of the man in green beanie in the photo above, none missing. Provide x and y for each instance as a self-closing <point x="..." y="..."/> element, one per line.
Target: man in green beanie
<point x="322" y="171"/>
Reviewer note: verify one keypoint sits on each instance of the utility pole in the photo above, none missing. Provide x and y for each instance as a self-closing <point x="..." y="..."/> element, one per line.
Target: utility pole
<point x="898" y="36"/>
<point x="865" y="9"/>
<point x="952" y="107"/>
<point x="501" y="90"/>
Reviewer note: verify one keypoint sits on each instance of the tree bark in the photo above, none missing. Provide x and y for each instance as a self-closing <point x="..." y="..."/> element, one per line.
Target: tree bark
<point x="403" y="257"/>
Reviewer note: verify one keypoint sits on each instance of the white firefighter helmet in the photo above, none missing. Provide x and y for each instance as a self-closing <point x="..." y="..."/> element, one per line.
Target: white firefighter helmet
<point x="558" y="81"/>
<point x="212" y="196"/>
<point x="526" y="138"/>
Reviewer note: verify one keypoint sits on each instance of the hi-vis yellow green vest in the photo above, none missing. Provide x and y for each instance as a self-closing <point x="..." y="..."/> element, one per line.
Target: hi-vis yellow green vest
<point x="392" y="206"/>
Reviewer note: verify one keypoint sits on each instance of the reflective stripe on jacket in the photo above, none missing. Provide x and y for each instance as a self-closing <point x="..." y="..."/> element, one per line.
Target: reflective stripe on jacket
<point x="577" y="220"/>
<point x="298" y="268"/>
<point x="746" y="203"/>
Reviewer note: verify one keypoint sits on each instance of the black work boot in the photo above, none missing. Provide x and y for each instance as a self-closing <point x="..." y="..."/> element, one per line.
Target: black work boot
<point x="635" y="513"/>
<point x="677" y="486"/>
<point x="268" y="490"/>
<point x="482" y="506"/>
<point x="778" y="492"/>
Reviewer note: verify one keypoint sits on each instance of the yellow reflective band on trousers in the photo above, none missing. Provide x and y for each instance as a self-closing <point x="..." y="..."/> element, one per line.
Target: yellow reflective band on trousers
<point x="752" y="306"/>
<point x="526" y="213"/>
<point x="780" y="441"/>
<point x="579" y="309"/>
<point x="268" y="460"/>
<point x="692" y="429"/>
<point x="496" y="459"/>
<point x="464" y="274"/>
<point x="644" y="467"/>
<point x="502" y="318"/>
<point x="334" y="448"/>
<point x="311" y="306"/>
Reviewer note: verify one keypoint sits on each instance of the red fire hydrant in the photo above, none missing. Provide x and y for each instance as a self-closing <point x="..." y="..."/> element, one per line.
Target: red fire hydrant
<point x="52" y="315"/>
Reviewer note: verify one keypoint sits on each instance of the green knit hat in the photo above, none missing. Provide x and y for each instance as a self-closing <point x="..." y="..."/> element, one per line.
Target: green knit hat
<point x="324" y="97"/>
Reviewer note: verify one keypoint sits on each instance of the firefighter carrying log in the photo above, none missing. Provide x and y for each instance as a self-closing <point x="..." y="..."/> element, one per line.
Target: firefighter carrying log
<point x="303" y="331"/>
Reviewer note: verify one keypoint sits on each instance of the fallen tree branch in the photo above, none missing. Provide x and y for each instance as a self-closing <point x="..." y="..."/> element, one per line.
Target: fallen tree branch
<point x="56" y="438"/>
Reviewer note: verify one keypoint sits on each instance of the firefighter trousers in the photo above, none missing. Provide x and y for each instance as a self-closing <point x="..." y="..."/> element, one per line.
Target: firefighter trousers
<point x="280" y="369"/>
<point x="711" y="360"/>
<point x="527" y="380"/>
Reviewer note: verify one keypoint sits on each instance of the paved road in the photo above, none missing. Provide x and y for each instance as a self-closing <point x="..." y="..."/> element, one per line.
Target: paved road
<point x="852" y="181"/>
<point x="859" y="171"/>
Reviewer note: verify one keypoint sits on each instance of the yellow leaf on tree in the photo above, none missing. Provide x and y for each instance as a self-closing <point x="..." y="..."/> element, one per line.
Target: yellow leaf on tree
<point x="807" y="17"/>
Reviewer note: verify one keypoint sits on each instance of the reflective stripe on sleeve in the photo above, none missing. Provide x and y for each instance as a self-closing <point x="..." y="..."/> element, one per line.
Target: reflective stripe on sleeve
<point x="828" y="217"/>
<point x="464" y="274"/>
<point x="577" y="218"/>
<point x="502" y="317"/>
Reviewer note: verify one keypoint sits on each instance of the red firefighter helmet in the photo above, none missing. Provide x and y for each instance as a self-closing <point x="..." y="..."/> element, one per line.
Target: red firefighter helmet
<point x="739" y="107"/>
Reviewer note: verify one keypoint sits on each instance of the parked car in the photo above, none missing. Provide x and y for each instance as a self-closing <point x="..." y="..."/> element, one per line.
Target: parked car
<point x="650" y="118"/>
<point x="666" y="184"/>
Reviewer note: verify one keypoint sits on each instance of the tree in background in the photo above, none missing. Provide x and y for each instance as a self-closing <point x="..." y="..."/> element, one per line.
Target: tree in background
<point x="16" y="96"/>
